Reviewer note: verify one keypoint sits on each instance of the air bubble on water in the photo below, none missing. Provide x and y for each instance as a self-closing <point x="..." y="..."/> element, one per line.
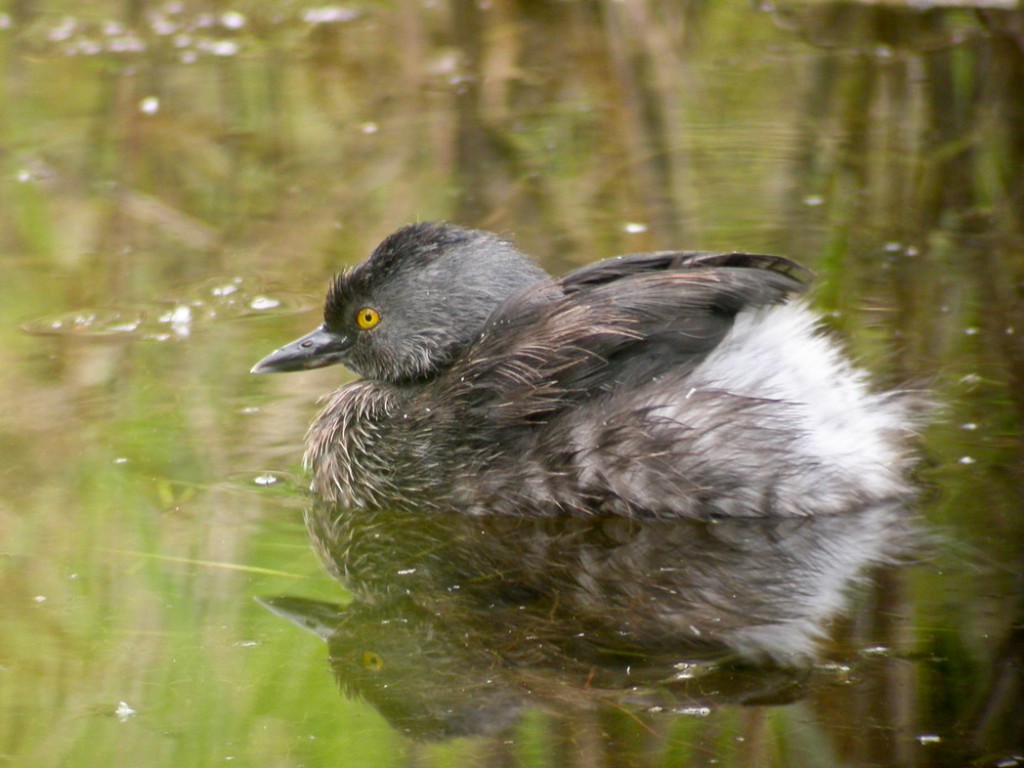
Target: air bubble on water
<point x="328" y="15"/>
<point x="124" y="711"/>
<point x="228" y="289"/>
<point x="223" y="48"/>
<point x="232" y="20"/>
<point x="634" y="227"/>
<point x="179" y="318"/>
<point x="86" y="48"/>
<point x="684" y="671"/>
<point x="692" y="711"/>
<point x="126" y="327"/>
<point x="63" y="30"/>
<point x="126" y="44"/>
<point x="149" y="105"/>
<point x="261" y="303"/>
<point x="162" y="26"/>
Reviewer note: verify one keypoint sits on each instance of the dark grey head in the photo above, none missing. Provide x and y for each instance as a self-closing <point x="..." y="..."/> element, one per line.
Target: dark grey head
<point x="403" y="314"/>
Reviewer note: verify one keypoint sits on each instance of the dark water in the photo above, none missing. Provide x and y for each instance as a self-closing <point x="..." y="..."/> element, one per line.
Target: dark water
<point x="179" y="181"/>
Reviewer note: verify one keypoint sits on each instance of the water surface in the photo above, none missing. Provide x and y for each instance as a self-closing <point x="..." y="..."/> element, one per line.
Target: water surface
<point x="177" y="183"/>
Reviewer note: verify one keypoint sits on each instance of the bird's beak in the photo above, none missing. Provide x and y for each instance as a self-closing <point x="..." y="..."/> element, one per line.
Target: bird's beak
<point x="314" y="350"/>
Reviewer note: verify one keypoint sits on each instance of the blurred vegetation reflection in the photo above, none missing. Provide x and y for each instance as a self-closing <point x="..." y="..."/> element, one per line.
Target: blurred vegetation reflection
<point x="179" y="179"/>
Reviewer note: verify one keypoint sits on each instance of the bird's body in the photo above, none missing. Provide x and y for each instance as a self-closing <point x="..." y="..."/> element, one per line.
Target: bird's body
<point x="653" y="385"/>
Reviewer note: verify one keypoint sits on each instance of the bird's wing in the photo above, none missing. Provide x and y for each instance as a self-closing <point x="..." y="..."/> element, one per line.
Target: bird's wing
<point x="619" y="267"/>
<point x="617" y="323"/>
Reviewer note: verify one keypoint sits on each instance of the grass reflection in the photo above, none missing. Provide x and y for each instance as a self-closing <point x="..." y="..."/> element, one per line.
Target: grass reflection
<point x="147" y="148"/>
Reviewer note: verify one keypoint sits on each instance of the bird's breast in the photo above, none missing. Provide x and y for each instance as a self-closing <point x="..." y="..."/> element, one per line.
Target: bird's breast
<point x="351" y="446"/>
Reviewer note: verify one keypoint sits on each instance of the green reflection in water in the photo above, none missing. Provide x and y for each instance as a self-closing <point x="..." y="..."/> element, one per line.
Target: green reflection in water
<point x="147" y="151"/>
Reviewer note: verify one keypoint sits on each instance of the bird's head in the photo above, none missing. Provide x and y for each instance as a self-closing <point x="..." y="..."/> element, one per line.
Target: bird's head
<point x="421" y="297"/>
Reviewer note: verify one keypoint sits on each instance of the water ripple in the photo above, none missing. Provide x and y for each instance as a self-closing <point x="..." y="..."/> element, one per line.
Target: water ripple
<point x="215" y="300"/>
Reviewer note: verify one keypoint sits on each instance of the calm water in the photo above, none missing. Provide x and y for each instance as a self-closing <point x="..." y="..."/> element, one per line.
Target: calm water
<point x="178" y="183"/>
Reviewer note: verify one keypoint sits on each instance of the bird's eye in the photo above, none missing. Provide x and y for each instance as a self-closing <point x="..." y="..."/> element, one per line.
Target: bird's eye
<point x="367" y="317"/>
<point x="372" y="661"/>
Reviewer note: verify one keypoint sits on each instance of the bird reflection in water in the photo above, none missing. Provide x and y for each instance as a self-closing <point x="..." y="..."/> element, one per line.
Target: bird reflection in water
<point x="460" y="624"/>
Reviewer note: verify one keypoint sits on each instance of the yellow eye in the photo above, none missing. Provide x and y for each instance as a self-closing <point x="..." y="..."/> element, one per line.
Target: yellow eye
<point x="367" y="317"/>
<point x="372" y="661"/>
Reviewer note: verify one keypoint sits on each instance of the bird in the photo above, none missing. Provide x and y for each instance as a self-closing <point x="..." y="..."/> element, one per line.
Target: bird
<point x="663" y="385"/>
